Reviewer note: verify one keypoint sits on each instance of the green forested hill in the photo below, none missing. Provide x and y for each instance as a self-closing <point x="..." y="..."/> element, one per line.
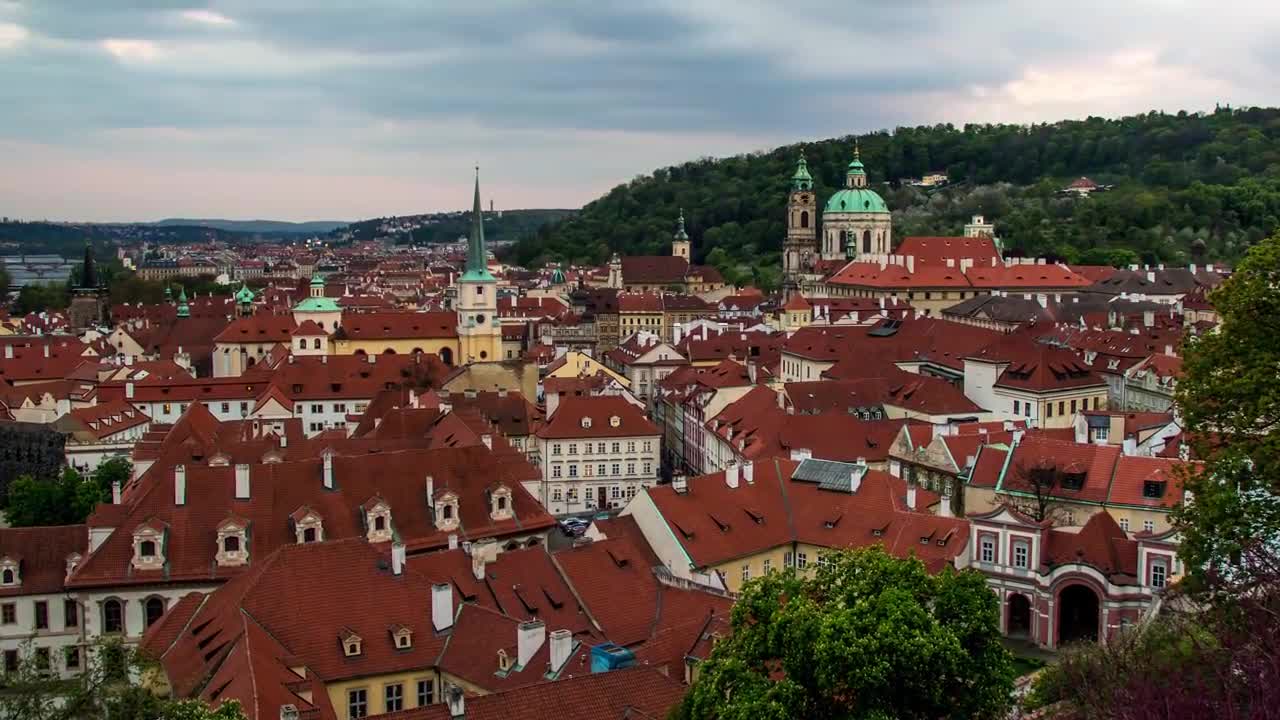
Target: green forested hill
<point x="434" y="228"/>
<point x="1187" y="186"/>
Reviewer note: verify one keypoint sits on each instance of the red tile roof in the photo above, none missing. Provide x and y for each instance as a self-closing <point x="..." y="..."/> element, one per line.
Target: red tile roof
<point x="609" y="416"/>
<point x="41" y="554"/>
<point x="398" y="326"/>
<point x="937" y="250"/>
<point x="258" y="328"/>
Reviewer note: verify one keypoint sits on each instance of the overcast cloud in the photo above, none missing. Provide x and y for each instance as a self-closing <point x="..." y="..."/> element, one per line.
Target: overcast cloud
<point x="343" y="109"/>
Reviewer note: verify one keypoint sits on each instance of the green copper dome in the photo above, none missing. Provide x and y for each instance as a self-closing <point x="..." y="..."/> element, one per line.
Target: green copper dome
<point x="856" y="200"/>
<point x="856" y="167"/>
<point x="802" y="180"/>
<point x="557" y="277"/>
<point x="318" y="305"/>
<point x="244" y="295"/>
<point x="317" y="280"/>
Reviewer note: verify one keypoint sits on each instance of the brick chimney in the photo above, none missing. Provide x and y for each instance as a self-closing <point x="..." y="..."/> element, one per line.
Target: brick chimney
<point x="529" y="639"/>
<point x="441" y="606"/>
<point x="180" y="485"/>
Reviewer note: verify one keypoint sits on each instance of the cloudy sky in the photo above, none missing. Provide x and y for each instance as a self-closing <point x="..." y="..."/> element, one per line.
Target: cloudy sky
<point x="343" y="109"/>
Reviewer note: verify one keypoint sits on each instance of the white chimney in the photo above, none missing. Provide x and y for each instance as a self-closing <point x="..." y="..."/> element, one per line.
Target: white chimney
<point x="8" y="352"/>
<point x="855" y="476"/>
<point x="180" y="485"/>
<point x="431" y="491"/>
<point x="487" y="439"/>
<point x="397" y="558"/>
<point x="457" y="702"/>
<point x="453" y="541"/>
<point x="1151" y="276"/>
<point x="284" y="440"/>
<point x="1130" y="446"/>
<point x="944" y="507"/>
<point x="115" y="492"/>
<point x="477" y="564"/>
<point x="749" y="473"/>
<point x="677" y="332"/>
<point x="529" y="638"/>
<point x="680" y="484"/>
<point x="561" y="649"/>
<point x="242" y="481"/>
<point x="441" y="606"/>
<point x="328" y="470"/>
<point x="731" y="475"/>
<point x="46" y="350"/>
<point x="911" y="496"/>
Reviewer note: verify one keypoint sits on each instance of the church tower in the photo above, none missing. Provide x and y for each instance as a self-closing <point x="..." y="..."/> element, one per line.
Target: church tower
<point x="802" y="216"/>
<point x="856" y="222"/>
<point x="479" y="332"/>
<point x="680" y="241"/>
<point x="88" y="300"/>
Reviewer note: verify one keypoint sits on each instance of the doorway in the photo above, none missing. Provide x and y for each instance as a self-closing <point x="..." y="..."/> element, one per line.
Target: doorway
<point x="1078" y="608"/>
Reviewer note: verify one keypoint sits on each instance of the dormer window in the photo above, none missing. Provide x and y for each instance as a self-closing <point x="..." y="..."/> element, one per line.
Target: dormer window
<point x="1153" y="489"/>
<point x="307" y="526"/>
<point x="377" y="520"/>
<point x="446" y="511"/>
<point x="504" y="660"/>
<point x="148" y="541"/>
<point x="9" y="571"/>
<point x="233" y="543"/>
<point x="500" y="503"/>
<point x="352" y="645"/>
<point x="73" y="562"/>
<point x="401" y="637"/>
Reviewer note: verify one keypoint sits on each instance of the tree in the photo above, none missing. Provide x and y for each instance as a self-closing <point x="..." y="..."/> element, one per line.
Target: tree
<point x="65" y="500"/>
<point x="1230" y="401"/>
<point x="1034" y="491"/>
<point x="105" y="689"/>
<point x="867" y="636"/>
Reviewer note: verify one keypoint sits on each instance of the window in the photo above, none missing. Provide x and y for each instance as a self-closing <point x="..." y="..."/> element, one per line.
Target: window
<point x="1027" y="409"/>
<point x="556" y="495"/>
<point x="1148" y="526"/>
<point x="112" y="616"/>
<point x="154" y="610"/>
<point x="42" y="615"/>
<point x="309" y="535"/>
<point x="802" y="561"/>
<point x="10" y="661"/>
<point x="8" y="614"/>
<point x="426" y="692"/>
<point x="1159" y="573"/>
<point x="631" y="469"/>
<point x="1021" y="554"/>
<point x="988" y="549"/>
<point x="1062" y="407"/>
<point x="1153" y="489"/>
<point x="226" y="407"/>
<point x="615" y="492"/>
<point x="1073" y="407"/>
<point x="616" y="447"/>
<point x="787" y="560"/>
<point x="316" y="343"/>
<point x="555" y="448"/>
<point x="42" y="660"/>
<point x="1017" y="407"/>
<point x="648" y="468"/>
<point x="357" y="703"/>
<point x="72" y="658"/>
<point x="767" y="565"/>
<point x="1124" y="524"/>
<point x="601" y="470"/>
<point x="648" y="446"/>
<point x="617" y="469"/>
<point x="573" y="448"/>
<point x="746" y="572"/>
<point x="393" y="698"/>
<point x="555" y="471"/>
<point x="317" y="408"/>
<point x="631" y="446"/>
<point x="600" y="448"/>
<point x="8" y="577"/>
<point x="573" y="471"/>
<point x="231" y="543"/>
<point x="1048" y="409"/>
<point x="1070" y="518"/>
<point x="147" y="549"/>
<point x="70" y="613"/>
<point x="586" y="448"/>
<point x="631" y="492"/>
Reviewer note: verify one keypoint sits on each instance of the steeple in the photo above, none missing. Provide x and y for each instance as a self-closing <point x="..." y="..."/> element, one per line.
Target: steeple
<point x="183" y="309"/>
<point x="856" y="175"/>
<point x="680" y="233"/>
<point x="89" y="272"/>
<point x="680" y="241"/>
<point x="802" y="180"/>
<point x="477" y="254"/>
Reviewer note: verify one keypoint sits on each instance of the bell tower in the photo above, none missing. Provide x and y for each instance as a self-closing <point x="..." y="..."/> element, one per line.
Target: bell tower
<point x="479" y="331"/>
<point x="801" y="242"/>
<point x="680" y="241"/>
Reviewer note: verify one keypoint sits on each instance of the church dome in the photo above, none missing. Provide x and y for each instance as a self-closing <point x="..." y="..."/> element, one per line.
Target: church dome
<point x="856" y="200"/>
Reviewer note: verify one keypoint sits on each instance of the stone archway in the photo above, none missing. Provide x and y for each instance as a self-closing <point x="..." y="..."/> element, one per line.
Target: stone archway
<point x="1018" y="617"/>
<point x="1079" y="613"/>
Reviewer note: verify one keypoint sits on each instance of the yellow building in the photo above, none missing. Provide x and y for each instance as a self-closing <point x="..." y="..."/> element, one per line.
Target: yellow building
<point x="479" y="330"/>
<point x="399" y="333"/>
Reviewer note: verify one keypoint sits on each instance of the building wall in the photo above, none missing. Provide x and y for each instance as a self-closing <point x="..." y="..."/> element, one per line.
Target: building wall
<point x="374" y="687"/>
<point x="572" y="481"/>
<point x="397" y="346"/>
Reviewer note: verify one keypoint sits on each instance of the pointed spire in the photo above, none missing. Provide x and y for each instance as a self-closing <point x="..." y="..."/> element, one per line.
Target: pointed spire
<point x="477" y="254"/>
<point x="857" y="151"/>
<point x="680" y="233"/>
<point x="183" y="309"/>
<point x="802" y="180"/>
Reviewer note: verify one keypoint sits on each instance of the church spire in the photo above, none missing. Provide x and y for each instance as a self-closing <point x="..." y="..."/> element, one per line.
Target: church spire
<point x="802" y="180"/>
<point x="89" y="271"/>
<point x="477" y="254"/>
<point x="680" y="233"/>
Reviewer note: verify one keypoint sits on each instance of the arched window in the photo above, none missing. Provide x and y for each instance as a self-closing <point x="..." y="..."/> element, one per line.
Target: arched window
<point x="446" y="356"/>
<point x="302" y="343"/>
<point x="380" y="523"/>
<point x="309" y="535"/>
<point x="447" y="512"/>
<point x="231" y="544"/>
<point x="112" y="616"/>
<point x="389" y="351"/>
<point x="844" y="238"/>
<point x="147" y="549"/>
<point x="804" y="218"/>
<point x="316" y="343"/>
<point x="361" y="353"/>
<point x="7" y="577"/>
<point x="154" y="609"/>
<point x="866" y="241"/>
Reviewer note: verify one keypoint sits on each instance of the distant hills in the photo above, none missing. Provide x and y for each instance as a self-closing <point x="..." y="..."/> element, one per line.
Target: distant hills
<point x="313" y="227"/>
<point x="1186" y="187"/>
<point x="428" y="229"/>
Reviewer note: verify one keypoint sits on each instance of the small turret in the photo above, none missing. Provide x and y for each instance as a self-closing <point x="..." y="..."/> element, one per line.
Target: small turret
<point x="680" y="241"/>
<point x="183" y="309"/>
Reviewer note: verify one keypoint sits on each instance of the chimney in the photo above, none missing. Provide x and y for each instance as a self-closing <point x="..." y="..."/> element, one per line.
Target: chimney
<point x="242" y="481"/>
<point x="731" y="475"/>
<point x="855" y="475"/>
<point x="477" y="564"/>
<point x="457" y="702"/>
<point x="1042" y="300"/>
<point x="431" y="491"/>
<point x="115" y="492"/>
<point x="529" y="638"/>
<point x="487" y="439"/>
<point x="441" y="606"/>
<point x="680" y="484"/>
<point x="677" y="332"/>
<point x="284" y="440"/>
<point x="749" y="473"/>
<point x="1168" y="349"/>
<point x="1148" y="318"/>
<point x="328" y="469"/>
<point x="1130" y="446"/>
<point x="944" y="506"/>
<point x="453" y="541"/>
<point x="801" y="454"/>
<point x="561" y="649"/>
<point x="397" y="558"/>
<point x="1151" y="276"/>
<point x="8" y="352"/>
<point x="180" y="485"/>
<point x="288" y="711"/>
<point x="911" y="496"/>
<point x="46" y="350"/>
<point x="372" y="358"/>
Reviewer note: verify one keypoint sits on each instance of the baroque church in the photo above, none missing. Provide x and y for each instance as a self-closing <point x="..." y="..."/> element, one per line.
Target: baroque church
<point x="855" y="223"/>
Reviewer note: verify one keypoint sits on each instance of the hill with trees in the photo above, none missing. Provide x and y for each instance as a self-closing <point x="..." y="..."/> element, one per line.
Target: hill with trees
<point x="1185" y="187"/>
<point x="444" y="227"/>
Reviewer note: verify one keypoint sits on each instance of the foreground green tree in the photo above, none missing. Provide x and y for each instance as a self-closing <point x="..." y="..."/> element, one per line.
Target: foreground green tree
<point x="113" y="686"/>
<point x="1229" y="397"/>
<point x="866" y="636"/>
<point x="65" y="500"/>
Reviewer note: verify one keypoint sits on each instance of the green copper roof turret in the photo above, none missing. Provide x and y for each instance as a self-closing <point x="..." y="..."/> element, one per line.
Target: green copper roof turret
<point x="477" y="255"/>
<point x="317" y="280"/>
<point x="802" y="180"/>
<point x="680" y="233"/>
<point x="856" y="167"/>
<point x="183" y="309"/>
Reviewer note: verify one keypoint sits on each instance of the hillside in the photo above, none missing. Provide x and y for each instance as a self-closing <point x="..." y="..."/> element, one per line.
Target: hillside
<point x="499" y="227"/>
<point x="68" y="239"/>
<point x="1186" y="186"/>
<point x="258" y="226"/>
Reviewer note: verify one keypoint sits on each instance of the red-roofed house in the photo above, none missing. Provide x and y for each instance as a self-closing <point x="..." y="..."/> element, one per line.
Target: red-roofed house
<point x="1019" y="377"/>
<point x="36" y="608"/>
<point x="597" y="452"/>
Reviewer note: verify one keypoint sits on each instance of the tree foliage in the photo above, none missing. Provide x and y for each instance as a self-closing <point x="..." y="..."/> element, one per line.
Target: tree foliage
<point x="1187" y="186"/>
<point x="867" y="636"/>
<point x="65" y="500"/>
<point x="107" y="688"/>
<point x="1230" y="398"/>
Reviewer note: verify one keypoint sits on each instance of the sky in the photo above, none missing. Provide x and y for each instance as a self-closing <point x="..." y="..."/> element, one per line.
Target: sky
<point x="347" y="109"/>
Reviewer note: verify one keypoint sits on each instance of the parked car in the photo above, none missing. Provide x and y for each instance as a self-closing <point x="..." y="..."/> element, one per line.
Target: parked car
<point x="574" y="526"/>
